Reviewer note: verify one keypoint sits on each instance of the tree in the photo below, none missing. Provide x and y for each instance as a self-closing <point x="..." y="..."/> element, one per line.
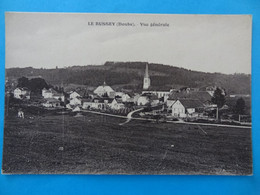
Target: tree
<point x="218" y="97"/>
<point x="37" y="84"/>
<point x="23" y="82"/>
<point x="240" y="106"/>
<point x="34" y="85"/>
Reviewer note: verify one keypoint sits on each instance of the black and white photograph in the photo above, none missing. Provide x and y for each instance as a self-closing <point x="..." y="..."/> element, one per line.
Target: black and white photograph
<point x="128" y="94"/>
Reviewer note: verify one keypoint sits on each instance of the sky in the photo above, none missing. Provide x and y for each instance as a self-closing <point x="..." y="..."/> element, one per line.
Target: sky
<point x="208" y="43"/>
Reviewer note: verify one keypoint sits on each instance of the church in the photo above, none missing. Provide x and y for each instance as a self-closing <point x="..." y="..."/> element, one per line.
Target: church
<point x="147" y="86"/>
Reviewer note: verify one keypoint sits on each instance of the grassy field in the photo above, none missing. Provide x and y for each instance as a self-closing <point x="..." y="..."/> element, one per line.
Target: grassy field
<point x="96" y="144"/>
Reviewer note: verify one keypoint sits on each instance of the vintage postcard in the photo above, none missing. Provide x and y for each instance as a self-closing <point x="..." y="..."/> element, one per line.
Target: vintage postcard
<point x="127" y="94"/>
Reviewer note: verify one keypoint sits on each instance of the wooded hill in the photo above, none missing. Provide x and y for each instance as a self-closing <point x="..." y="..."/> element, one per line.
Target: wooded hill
<point x="129" y="75"/>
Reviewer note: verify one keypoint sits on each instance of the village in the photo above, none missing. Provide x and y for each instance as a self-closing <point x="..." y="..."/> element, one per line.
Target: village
<point x="185" y="104"/>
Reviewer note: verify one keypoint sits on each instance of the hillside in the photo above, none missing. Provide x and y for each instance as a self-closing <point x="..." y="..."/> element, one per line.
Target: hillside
<point x="129" y="75"/>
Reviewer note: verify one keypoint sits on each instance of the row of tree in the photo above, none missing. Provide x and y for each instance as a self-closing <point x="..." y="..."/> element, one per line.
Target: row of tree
<point x="219" y="98"/>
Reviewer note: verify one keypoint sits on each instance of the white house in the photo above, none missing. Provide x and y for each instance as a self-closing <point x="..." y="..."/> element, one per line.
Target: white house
<point x="75" y="101"/>
<point x="148" y="98"/>
<point x="97" y="103"/>
<point x="47" y="93"/>
<point x="21" y="93"/>
<point x="185" y="107"/>
<point x="117" y="104"/>
<point x="51" y="93"/>
<point x="74" y="94"/>
<point x="178" y="109"/>
<point x="136" y="97"/>
<point x="125" y="97"/>
<point x="142" y="100"/>
<point x="104" y="89"/>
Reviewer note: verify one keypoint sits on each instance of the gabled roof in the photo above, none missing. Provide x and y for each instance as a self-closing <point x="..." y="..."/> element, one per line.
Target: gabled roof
<point x="190" y="103"/>
<point x="74" y="92"/>
<point x="22" y="88"/>
<point x="199" y="95"/>
<point x="103" y="89"/>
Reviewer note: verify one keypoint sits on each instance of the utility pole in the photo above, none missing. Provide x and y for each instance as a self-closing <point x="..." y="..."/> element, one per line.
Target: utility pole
<point x="217" y="113"/>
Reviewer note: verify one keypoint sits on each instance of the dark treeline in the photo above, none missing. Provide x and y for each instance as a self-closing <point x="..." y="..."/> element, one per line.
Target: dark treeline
<point x="130" y="74"/>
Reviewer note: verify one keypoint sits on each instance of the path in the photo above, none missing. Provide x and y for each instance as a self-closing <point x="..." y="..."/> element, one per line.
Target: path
<point x="129" y="116"/>
<point x="177" y="122"/>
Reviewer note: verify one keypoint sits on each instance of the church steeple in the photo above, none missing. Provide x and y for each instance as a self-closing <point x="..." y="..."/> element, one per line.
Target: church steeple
<point x="146" y="75"/>
<point x="147" y="81"/>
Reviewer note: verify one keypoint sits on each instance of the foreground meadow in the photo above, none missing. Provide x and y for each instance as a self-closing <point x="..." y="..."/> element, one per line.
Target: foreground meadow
<point x="96" y="144"/>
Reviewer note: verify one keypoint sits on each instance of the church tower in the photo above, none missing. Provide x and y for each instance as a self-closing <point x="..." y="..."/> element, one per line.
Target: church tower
<point x="147" y="81"/>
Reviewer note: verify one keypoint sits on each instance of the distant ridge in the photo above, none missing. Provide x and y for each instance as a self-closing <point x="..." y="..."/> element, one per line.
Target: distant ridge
<point x="129" y="75"/>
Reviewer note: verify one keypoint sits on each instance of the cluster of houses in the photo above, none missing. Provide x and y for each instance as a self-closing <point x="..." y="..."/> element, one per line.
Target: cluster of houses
<point x="178" y="103"/>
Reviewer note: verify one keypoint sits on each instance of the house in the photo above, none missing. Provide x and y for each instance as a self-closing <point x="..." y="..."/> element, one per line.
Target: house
<point x="203" y="96"/>
<point x="169" y="103"/>
<point x="59" y="96"/>
<point x="21" y="93"/>
<point x="75" y="98"/>
<point x="51" y="103"/>
<point x="142" y="100"/>
<point x="77" y="108"/>
<point x="136" y="97"/>
<point x="87" y="103"/>
<point x="97" y="103"/>
<point x="74" y="94"/>
<point x="178" y="109"/>
<point x="117" y="104"/>
<point x="47" y="93"/>
<point x="104" y="90"/>
<point x="185" y="107"/>
<point x="125" y="97"/>
<point x="154" y="100"/>
<point x="75" y="101"/>
<point x="51" y="93"/>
